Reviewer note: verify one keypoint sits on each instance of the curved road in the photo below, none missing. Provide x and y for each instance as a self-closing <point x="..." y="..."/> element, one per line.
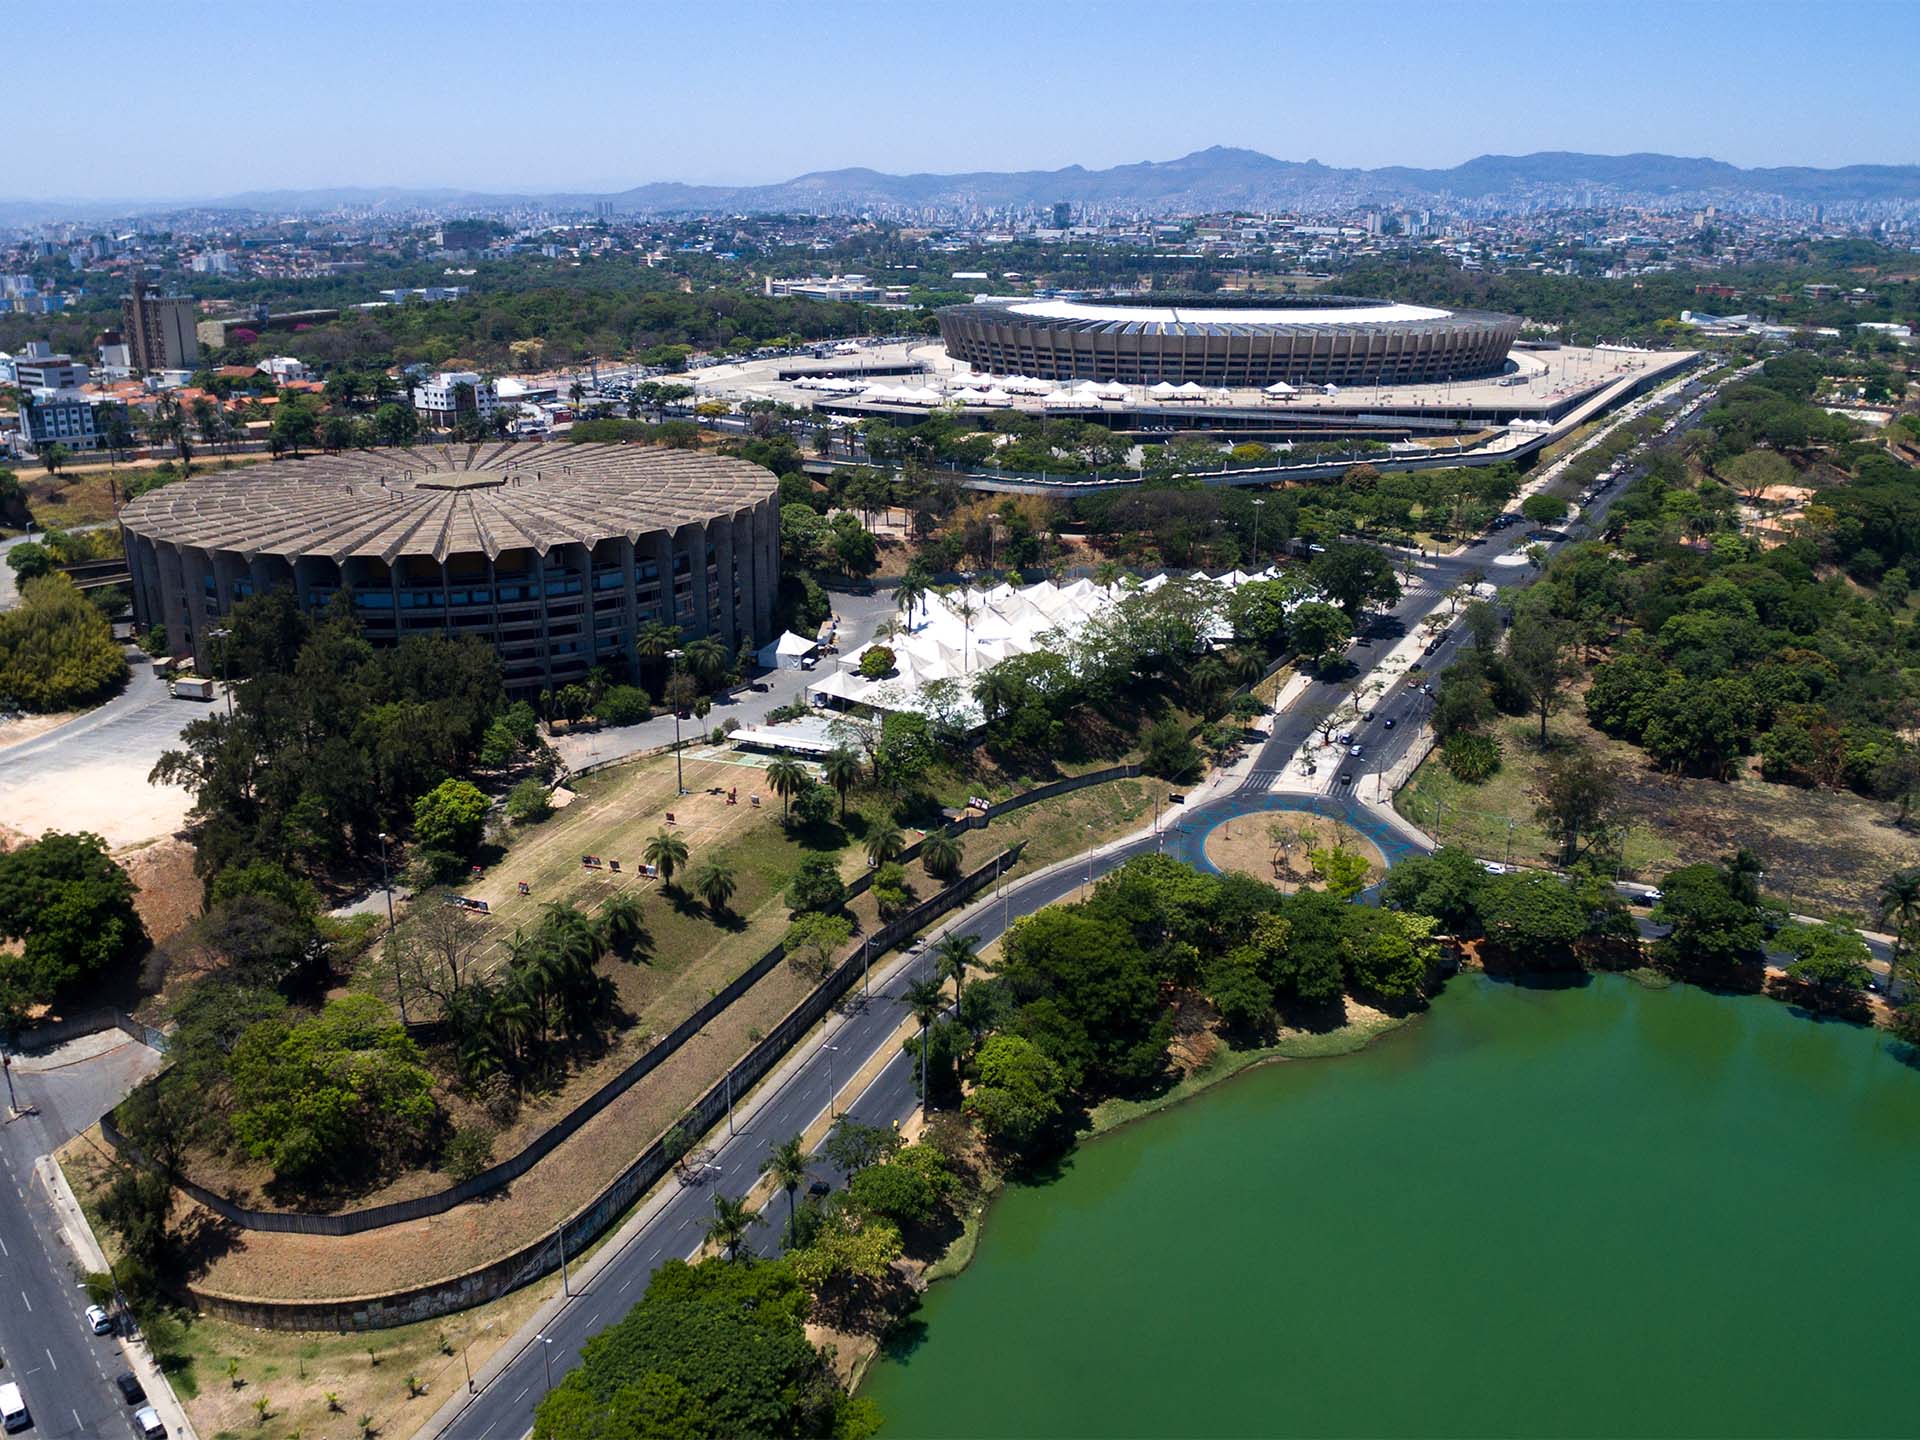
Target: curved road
<point x="673" y="1225"/>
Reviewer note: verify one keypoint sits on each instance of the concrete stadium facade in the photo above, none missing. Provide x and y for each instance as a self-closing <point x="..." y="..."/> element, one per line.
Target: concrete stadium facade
<point x="555" y="555"/>
<point x="1206" y="340"/>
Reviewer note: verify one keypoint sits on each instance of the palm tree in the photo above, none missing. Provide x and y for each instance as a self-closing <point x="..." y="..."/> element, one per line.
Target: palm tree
<point x="915" y="586"/>
<point x="786" y="777"/>
<point x="713" y="882"/>
<point x="623" y="925"/>
<point x="996" y="692"/>
<point x="884" y="843"/>
<point x="730" y="1223"/>
<point x="940" y="854"/>
<point x="842" y="767"/>
<point x="926" y="1000"/>
<point x="655" y="639"/>
<point x="666" y="852"/>
<point x="707" y="659"/>
<point x="1106" y="575"/>
<point x="787" y="1167"/>
<point x="952" y="958"/>
<point x="1900" y="903"/>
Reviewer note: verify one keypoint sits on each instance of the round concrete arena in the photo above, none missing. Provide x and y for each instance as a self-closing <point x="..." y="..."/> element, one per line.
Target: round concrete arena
<point x="556" y="555"/>
<point x="1233" y="341"/>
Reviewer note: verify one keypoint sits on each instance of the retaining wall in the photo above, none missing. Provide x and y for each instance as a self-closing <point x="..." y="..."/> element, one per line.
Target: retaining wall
<point x="531" y="1262"/>
<point x="505" y="1172"/>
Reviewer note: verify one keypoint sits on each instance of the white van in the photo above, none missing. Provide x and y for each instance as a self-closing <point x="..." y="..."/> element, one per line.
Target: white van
<point x="13" y="1409"/>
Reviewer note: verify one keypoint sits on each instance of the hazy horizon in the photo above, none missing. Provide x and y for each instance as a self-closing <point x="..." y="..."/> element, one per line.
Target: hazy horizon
<point x="207" y="101"/>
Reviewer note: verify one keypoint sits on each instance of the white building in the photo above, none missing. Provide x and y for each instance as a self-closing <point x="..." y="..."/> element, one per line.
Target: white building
<point x="284" y="369"/>
<point x="39" y="368"/>
<point x="69" y="418"/>
<point x="444" y="397"/>
<point x="212" y="262"/>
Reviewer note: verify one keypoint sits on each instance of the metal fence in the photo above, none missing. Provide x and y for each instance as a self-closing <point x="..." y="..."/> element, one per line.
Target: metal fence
<point x="503" y="1173"/>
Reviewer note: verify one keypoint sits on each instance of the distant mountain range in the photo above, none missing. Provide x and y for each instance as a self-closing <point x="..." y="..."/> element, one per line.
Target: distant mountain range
<point x="1214" y="179"/>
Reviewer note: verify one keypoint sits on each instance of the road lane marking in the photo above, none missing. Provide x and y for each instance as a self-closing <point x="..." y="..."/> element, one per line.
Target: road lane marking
<point x="26" y="1302"/>
<point x="50" y="1360"/>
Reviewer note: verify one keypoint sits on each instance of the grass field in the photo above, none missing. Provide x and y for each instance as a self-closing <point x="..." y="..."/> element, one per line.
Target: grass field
<point x="691" y="957"/>
<point x="1825" y="852"/>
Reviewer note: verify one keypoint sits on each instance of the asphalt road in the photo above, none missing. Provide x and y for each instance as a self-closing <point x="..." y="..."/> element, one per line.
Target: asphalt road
<point x="503" y="1410"/>
<point x="64" y="1371"/>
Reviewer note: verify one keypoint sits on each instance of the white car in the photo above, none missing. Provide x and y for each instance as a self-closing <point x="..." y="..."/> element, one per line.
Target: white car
<point x="1493" y="867"/>
<point x="99" y="1320"/>
<point x="1354" y="750"/>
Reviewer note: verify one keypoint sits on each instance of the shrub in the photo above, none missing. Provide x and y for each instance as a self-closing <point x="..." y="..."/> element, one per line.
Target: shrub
<point x="57" y="652"/>
<point x="624" y="705"/>
<point x="469" y="1151"/>
<point x="1471" y="758"/>
<point x="529" y="802"/>
<point x="877" y="663"/>
<point x="817" y="886"/>
<point x="449" y="817"/>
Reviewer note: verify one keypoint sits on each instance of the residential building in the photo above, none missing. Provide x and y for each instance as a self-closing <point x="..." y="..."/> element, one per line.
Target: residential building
<point x="70" y="418"/>
<point x="444" y="398"/>
<point x="159" y="329"/>
<point x="39" y="368"/>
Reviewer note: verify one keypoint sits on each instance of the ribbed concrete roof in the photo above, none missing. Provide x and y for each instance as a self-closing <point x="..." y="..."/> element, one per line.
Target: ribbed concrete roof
<point x="444" y="500"/>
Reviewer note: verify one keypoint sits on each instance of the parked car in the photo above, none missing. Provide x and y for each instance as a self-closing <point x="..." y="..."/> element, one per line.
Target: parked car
<point x="99" y="1320"/>
<point x="1354" y="751"/>
<point x="1388" y="722"/>
<point x="130" y="1387"/>
<point x="148" y="1425"/>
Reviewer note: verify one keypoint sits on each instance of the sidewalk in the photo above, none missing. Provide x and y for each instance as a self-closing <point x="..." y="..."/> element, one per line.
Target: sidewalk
<point x="77" y="1235"/>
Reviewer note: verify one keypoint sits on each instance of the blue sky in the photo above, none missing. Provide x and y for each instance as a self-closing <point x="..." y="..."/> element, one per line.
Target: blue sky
<point x="199" y="98"/>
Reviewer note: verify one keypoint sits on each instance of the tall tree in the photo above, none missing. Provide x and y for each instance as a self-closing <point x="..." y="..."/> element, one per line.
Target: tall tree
<point x="786" y="1166"/>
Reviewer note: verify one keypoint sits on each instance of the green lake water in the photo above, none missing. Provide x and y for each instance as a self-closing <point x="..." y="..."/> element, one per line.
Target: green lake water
<point x="1593" y="1211"/>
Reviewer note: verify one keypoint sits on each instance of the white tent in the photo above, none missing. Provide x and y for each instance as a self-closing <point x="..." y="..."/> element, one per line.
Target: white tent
<point x="1163" y="391"/>
<point x="1112" y="390"/>
<point x="1280" y="387"/>
<point x="969" y="396"/>
<point x="785" y="653"/>
<point x="1190" y="391"/>
<point x="996" y="396"/>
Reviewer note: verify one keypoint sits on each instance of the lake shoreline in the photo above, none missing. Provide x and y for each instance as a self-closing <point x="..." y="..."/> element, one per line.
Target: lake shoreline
<point x="1326" y="1147"/>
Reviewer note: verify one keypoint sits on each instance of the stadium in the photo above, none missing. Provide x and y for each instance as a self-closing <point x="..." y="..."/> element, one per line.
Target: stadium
<point x="556" y="555"/>
<point x="1210" y="340"/>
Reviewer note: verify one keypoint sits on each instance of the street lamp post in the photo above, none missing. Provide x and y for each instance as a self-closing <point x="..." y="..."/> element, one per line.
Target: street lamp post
<point x="546" y="1354"/>
<point x="226" y="667"/>
<point x="831" y="1092"/>
<point x="679" y="772"/>
<point x="1258" y="505"/>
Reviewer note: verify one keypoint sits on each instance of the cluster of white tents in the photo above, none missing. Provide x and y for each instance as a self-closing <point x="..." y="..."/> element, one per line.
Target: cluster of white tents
<point x="831" y="385"/>
<point x="997" y="392"/>
<point x="952" y="637"/>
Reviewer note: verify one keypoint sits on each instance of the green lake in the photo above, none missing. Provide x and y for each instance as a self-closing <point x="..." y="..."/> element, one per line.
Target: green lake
<point x="1601" y="1210"/>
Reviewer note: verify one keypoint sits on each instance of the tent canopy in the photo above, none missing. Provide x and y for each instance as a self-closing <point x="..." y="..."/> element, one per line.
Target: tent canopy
<point x="786" y="652"/>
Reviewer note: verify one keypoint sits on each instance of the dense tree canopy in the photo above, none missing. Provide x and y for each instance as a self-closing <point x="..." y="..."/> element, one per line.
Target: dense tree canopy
<point x="70" y="907"/>
<point x="711" y="1349"/>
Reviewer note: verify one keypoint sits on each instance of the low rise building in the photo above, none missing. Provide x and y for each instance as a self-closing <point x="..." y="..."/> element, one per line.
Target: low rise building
<point x="71" y="419"/>
<point x="444" y="399"/>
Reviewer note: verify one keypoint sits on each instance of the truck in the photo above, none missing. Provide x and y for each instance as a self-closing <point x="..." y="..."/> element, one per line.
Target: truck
<point x="191" y="687"/>
<point x="13" y="1409"/>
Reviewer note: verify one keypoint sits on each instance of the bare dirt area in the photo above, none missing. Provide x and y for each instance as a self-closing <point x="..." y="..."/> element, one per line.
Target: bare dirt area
<point x="15" y="728"/>
<point x="169" y="898"/>
<point x="1825" y="852"/>
<point x="1276" y="846"/>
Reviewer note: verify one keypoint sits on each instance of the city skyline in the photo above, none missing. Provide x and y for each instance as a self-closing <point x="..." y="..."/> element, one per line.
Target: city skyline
<point x="603" y="109"/>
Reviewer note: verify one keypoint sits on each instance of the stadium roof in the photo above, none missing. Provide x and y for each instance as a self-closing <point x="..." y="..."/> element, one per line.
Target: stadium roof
<point x="447" y="499"/>
<point x="1347" y="314"/>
